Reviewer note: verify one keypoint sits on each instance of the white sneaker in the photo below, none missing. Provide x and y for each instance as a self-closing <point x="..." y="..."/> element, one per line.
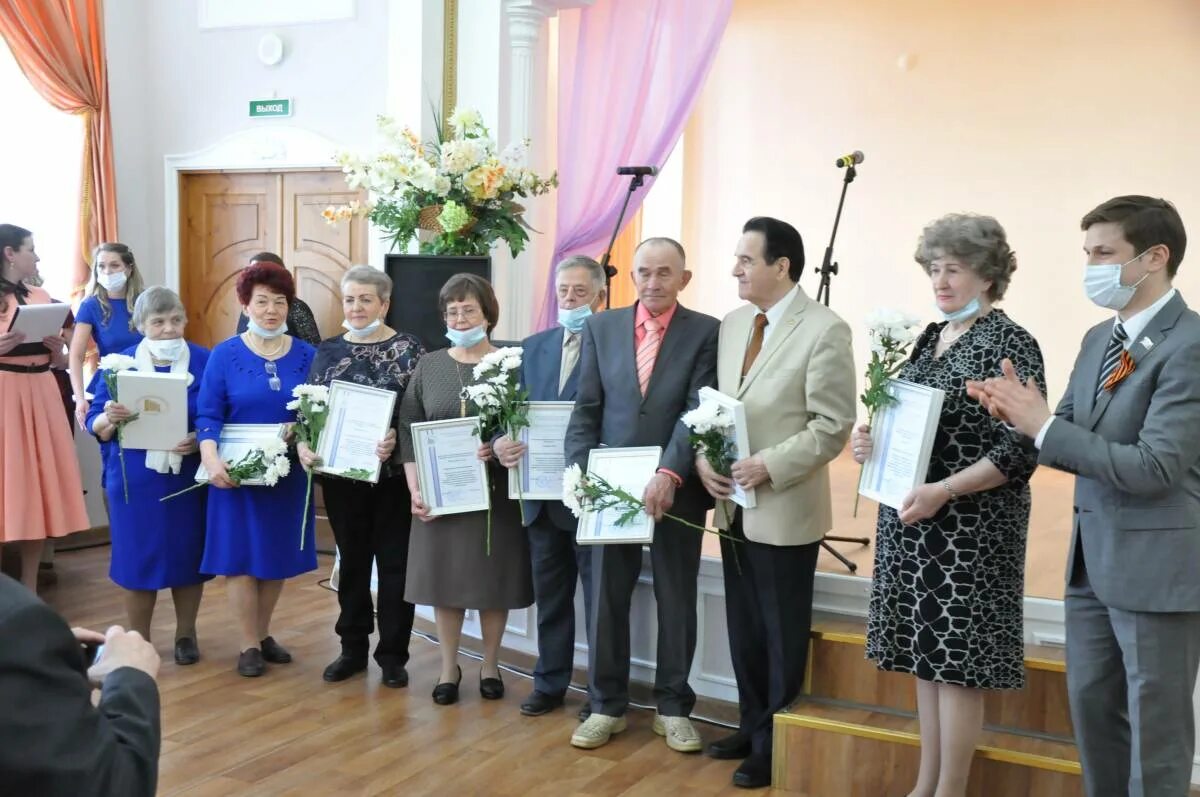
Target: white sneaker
<point x="680" y="732"/>
<point x="596" y="730"/>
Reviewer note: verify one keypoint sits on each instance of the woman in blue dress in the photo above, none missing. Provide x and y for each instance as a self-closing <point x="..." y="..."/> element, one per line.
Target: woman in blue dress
<point x="253" y="534"/>
<point x="156" y="545"/>
<point x="104" y="316"/>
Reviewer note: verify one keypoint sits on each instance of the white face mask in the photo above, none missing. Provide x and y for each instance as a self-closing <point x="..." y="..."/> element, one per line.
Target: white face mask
<point x="365" y="331"/>
<point x="166" y="350"/>
<point x="112" y="282"/>
<point x="266" y="334"/>
<point x="1102" y="282"/>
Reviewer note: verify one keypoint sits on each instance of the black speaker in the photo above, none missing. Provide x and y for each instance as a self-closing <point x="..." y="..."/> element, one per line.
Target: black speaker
<point x="416" y="282"/>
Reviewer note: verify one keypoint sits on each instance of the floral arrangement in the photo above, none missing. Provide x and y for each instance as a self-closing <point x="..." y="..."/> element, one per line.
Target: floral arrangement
<point x="710" y="434"/>
<point x="268" y="462"/>
<point x="891" y="333"/>
<point x="110" y="365"/>
<point x="457" y="187"/>
<point x="500" y="402"/>
<point x="311" y="404"/>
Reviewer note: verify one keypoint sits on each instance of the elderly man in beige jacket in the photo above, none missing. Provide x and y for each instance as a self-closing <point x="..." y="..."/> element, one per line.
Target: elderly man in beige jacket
<point x="788" y="359"/>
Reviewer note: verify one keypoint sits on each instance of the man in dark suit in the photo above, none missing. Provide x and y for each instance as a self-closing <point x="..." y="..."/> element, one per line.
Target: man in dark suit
<point x="550" y="372"/>
<point x="640" y="369"/>
<point x="52" y="740"/>
<point x="1128" y="427"/>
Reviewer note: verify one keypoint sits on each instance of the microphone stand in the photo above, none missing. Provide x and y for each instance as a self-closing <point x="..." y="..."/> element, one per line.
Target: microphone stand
<point x="636" y="181"/>
<point x="827" y="269"/>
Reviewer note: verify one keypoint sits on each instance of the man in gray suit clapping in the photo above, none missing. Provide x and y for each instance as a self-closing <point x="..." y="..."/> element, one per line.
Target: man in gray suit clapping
<point x="1128" y="427"/>
<point x="640" y="368"/>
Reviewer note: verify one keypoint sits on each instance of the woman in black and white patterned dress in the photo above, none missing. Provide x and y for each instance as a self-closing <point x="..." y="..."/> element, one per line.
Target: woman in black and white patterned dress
<point x="947" y="595"/>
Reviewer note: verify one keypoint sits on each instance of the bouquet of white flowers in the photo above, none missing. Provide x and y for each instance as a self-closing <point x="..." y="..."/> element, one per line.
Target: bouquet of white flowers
<point x="711" y="434"/>
<point x="268" y="462"/>
<point x="891" y="333"/>
<point x="311" y="404"/>
<point x="110" y="365"/>
<point x="500" y="402"/>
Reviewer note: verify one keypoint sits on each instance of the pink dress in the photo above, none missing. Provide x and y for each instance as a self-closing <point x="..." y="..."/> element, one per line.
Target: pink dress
<point x="41" y="494"/>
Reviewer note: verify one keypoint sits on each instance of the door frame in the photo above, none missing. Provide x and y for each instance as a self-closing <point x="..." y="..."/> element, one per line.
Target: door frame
<point x="256" y="149"/>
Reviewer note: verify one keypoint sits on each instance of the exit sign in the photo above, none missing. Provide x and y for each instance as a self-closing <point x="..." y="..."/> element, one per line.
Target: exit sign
<point x="270" y="108"/>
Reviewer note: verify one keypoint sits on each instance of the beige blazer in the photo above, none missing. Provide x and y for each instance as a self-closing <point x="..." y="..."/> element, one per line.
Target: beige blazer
<point x="800" y="408"/>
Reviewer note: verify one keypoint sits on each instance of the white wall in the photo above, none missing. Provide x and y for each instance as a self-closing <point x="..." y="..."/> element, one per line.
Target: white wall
<point x="175" y="88"/>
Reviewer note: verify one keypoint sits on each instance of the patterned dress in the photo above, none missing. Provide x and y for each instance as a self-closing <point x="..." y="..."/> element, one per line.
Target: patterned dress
<point x="947" y="595"/>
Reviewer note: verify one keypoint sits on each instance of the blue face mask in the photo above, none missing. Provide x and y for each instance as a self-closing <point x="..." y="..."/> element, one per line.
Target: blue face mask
<point x="268" y="334"/>
<point x="572" y="320"/>
<point x="365" y="331"/>
<point x="466" y="338"/>
<point x="969" y="310"/>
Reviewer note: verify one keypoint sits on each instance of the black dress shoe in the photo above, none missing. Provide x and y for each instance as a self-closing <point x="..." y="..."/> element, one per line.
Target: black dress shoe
<point x="753" y="773"/>
<point x="343" y="667"/>
<point x="540" y="703"/>
<point x="250" y="663"/>
<point x="445" y="694"/>
<point x="274" y="652"/>
<point x="491" y="688"/>
<point x="394" y="676"/>
<point x="186" y="651"/>
<point x="585" y="712"/>
<point x="735" y="745"/>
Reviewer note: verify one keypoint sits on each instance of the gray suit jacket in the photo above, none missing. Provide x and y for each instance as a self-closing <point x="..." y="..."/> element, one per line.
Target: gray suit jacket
<point x="610" y="409"/>
<point x="1135" y="454"/>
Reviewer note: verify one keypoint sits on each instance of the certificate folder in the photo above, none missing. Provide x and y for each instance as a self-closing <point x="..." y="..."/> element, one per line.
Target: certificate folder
<point x="902" y="440"/>
<point x="160" y="401"/>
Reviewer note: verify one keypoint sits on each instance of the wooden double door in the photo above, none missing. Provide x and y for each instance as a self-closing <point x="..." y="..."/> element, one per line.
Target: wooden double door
<point x="227" y="217"/>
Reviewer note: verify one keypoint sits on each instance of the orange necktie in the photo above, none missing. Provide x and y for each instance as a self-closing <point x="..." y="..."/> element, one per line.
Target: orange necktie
<point x="756" y="341"/>
<point x="647" y="352"/>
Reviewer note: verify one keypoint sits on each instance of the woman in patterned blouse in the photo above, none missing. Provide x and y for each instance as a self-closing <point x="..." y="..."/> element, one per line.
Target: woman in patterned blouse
<point x="948" y="588"/>
<point x="370" y="521"/>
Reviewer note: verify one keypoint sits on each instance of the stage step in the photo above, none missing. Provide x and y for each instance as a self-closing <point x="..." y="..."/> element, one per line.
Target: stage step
<point x="839" y="670"/>
<point x="826" y="748"/>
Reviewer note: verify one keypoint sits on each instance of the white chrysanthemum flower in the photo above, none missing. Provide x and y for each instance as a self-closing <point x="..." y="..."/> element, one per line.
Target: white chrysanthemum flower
<point x="282" y="465"/>
<point x="293" y="405"/>
<point x="499" y="380"/>
<point x="511" y="362"/>
<point x="315" y="392"/>
<point x="270" y="477"/>
<point x="273" y="448"/>
<point x="462" y="155"/>
<point x="117" y="362"/>
<point x="572" y="492"/>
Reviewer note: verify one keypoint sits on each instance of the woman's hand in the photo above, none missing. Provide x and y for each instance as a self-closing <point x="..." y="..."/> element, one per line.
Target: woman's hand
<point x="57" y="345"/>
<point x="308" y="458"/>
<point x="387" y="446"/>
<point x="509" y="452"/>
<point x="923" y="503"/>
<point x="861" y="444"/>
<point x="217" y="475"/>
<point x="9" y="341"/>
<point x="419" y="510"/>
<point x="485" y="452"/>
<point x="116" y="413"/>
<point x="187" y="446"/>
<point x="82" y="406"/>
<point x="718" y="486"/>
<point x="289" y="433"/>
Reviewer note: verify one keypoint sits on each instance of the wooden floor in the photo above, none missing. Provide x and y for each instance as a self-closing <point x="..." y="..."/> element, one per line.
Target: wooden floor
<point x="291" y="733"/>
<point x="1045" y="552"/>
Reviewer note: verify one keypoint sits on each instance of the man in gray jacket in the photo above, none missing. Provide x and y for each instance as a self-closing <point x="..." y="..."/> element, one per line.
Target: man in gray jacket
<point x="1128" y="427"/>
<point x="640" y="368"/>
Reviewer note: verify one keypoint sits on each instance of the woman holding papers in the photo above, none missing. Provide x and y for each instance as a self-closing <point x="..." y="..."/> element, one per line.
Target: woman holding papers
<point x="156" y="544"/>
<point x="41" y="494"/>
<point x="253" y="533"/>
<point x="104" y="316"/>
<point x="370" y="521"/>
<point x="946" y="598"/>
<point x="449" y="566"/>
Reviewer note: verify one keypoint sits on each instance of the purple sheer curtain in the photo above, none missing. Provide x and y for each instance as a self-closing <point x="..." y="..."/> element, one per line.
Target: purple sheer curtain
<point x="629" y="73"/>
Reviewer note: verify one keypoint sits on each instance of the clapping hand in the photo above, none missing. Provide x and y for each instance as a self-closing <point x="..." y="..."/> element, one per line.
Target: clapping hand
<point x="1020" y="405"/>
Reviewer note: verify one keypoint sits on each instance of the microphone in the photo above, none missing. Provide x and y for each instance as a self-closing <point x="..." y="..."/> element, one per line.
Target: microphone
<point x="853" y="158"/>
<point x="640" y="171"/>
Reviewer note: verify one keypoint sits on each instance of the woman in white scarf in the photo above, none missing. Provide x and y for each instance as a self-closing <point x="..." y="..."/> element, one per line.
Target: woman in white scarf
<point x="156" y="545"/>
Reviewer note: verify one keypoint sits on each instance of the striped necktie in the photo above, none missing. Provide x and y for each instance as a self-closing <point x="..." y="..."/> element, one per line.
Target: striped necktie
<point x="1112" y="358"/>
<point x="647" y="352"/>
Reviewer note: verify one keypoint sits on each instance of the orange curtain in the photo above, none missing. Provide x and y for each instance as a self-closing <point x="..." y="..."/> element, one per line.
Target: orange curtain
<point x="59" y="45"/>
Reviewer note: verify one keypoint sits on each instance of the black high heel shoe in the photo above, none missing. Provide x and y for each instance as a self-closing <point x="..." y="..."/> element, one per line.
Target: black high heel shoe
<point x="491" y="688"/>
<point x="444" y="694"/>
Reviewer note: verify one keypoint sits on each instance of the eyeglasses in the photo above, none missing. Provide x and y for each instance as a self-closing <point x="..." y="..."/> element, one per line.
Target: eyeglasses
<point x="273" y="373"/>
<point x="465" y="314"/>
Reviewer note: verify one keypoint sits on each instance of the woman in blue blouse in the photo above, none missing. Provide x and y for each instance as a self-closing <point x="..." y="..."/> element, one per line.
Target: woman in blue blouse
<point x="156" y="545"/>
<point x="104" y="316"/>
<point x="253" y="534"/>
<point x="370" y="521"/>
